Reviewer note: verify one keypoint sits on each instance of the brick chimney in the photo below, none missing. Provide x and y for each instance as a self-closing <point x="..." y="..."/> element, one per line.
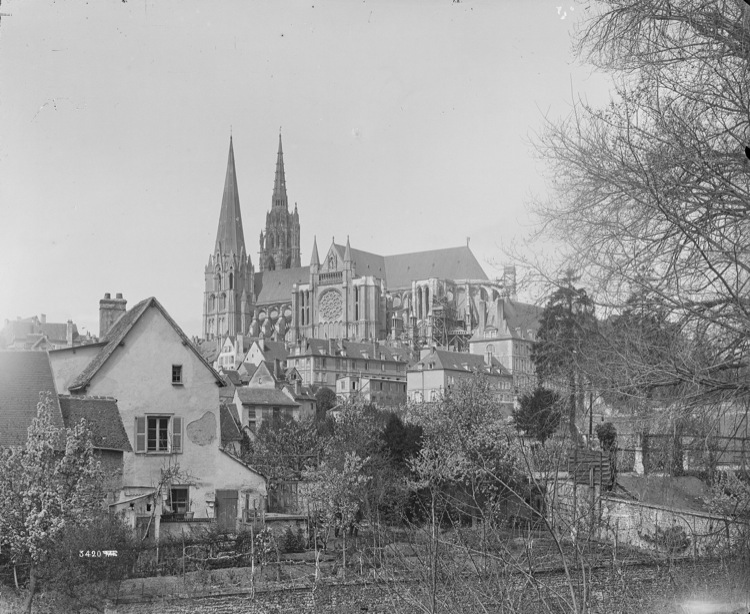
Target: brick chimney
<point x="69" y="334"/>
<point x="43" y="318"/>
<point x="110" y="310"/>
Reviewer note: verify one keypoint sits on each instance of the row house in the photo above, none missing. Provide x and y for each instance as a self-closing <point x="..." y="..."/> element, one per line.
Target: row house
<point x="269" y="395"/>
<point x="439" y="370"/>
<point x="321" y="362"/>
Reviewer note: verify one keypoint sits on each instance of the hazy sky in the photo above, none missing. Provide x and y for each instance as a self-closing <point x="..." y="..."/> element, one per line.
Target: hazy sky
<point x="406" y="126"/>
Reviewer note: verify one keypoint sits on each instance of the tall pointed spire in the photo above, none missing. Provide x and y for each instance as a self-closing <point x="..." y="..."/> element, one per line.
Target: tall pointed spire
<point x="315" y="260"/>
<point x="230" y="237"/>
<point x="347" y="251"/>
<point x="279" y="184"/>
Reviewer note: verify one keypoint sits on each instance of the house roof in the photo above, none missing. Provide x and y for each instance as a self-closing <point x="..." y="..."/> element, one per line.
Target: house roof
<point x="209" y="349"/>
<point x="120" y="330"/>
<point x="102" y="417"/>
<point x="518" y="317"/>
<point x="274" y="350"/>
<point x="276" y="286"/>
<point x="23" y="375"/>
<point x="243" y="463"/>
<point x="460" y="361"/>
<point x="230" y="431"/>
<point x="306" y="393"/>
<point x="264" y="396"/>
<point x="32" y="329"/>
<point x="250" y="369"/>
<point x="232" y="376"/>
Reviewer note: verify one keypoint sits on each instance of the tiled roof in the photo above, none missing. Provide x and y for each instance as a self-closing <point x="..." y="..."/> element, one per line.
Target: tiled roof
<point x="264" y="396"/>
<point x="365" y="263"/>
<point x="233" y="377"/>
<point x="446" y="263"/>
<point x="102" y="417"/>
<point x="23" y="375"/>
<point x="226" y="393"/>
<point x="521" y="315"/>
<point x="518" y="317"/>
<point x="274" y="350"/>
<point x="306" y="393"/>
<point x="250" y="368"/>
<point x="274" y="287"/>
<point x="460" y="361"/>
<point x="209" y="349"/>
<point x="229" y="429"/>
<point x="119" y="331"/>
<point x="29" y="329"/>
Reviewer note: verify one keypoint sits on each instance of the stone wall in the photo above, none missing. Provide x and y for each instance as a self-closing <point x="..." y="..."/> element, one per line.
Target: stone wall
<point x="642" y="525"/>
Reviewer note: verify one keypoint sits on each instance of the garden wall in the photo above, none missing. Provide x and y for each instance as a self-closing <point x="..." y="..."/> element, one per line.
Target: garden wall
<point x="650" y="527"/>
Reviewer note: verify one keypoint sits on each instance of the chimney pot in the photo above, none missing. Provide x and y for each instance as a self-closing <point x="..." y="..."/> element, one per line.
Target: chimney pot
<point x="118" y="295"/>
<point x="110" y="310"/>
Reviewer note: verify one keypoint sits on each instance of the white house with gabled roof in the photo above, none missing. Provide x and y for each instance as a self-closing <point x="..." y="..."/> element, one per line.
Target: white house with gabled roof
<point x="168" y="397"/>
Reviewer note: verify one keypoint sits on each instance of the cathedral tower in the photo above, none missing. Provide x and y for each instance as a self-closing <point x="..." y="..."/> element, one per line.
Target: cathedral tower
<point x="279" y="244"/>
<point x="229" y="291"/>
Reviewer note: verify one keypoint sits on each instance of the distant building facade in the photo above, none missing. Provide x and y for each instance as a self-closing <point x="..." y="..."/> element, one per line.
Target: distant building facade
<point x="435" y="297"/>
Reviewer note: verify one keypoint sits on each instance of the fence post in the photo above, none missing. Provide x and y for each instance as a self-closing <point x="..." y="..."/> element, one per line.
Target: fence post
<point x="184" y="590"/>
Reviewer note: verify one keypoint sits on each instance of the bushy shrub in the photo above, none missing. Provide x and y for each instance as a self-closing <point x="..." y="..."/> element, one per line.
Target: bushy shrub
<point x="88" y="563"/>
<point x="292" y="542"/>
<point x="607" y="435"/>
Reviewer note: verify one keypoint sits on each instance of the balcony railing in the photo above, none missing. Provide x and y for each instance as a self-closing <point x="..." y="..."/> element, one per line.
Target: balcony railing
<point x="333" y="277"/>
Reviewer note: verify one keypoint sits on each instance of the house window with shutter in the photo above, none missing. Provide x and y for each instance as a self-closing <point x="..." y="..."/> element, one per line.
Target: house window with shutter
<point x="158" y="435"/>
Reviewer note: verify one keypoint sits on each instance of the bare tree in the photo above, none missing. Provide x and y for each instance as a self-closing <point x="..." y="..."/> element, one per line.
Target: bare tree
<point x="652" y="193"/>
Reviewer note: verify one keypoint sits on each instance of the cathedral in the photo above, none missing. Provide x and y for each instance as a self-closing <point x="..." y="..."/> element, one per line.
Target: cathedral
<point x="438" y="296"/>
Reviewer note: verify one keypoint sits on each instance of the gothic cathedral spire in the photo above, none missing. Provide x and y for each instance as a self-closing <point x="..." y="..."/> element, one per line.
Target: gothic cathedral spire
<point x="229" y="236"/>
<point x="280" y="243"/>
<point x="229" y="274"/>
<point x="279" y="185"/>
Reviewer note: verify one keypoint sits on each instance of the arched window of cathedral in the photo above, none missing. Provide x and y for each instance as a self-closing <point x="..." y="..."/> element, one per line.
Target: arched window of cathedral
<point x="271" y="264"/>
<point x="270" y="242"/>
<point x="356" y="302"/>
<point x="212" y="302"/>
<point x="231" y="281"/>
<point x="288" y="262"/>
<point x="218" y="282"/>
<point x="332" y="263"/>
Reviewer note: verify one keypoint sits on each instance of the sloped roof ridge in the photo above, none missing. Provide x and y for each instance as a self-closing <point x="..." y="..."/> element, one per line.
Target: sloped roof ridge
<point x="119" y="331"/>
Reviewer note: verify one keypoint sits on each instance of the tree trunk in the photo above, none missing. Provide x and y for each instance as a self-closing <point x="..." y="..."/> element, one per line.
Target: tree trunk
<point x="572" y="409"/>
<point x="32" y="588"/>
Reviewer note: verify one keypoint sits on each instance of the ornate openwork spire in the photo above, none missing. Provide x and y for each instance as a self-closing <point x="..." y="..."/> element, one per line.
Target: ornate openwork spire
<point x="279" y="184"/>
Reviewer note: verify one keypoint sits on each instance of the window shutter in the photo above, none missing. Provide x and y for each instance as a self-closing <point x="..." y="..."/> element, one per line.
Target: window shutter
<point x="140" y="434"/>
<point x="176" y="435"/>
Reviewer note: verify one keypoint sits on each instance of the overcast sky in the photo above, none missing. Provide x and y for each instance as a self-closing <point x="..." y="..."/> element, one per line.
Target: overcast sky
<point x="406" y="125"/>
